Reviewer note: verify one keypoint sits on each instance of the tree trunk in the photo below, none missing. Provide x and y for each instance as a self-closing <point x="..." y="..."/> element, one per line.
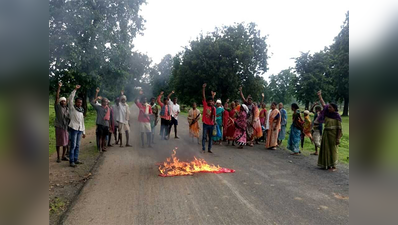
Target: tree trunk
<point x="307" y="104"/>
<point x="345" y="110"/>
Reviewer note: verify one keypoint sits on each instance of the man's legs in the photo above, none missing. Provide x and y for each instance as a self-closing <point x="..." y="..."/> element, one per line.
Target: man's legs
<point x="77" y="148"/>
<point x="127" y="138"/>
<point x="148" y="137"/>
<point x="58" y="158"/>
<point x="116" y="135"/>
<point x="210" y="129"/>
<point x="142" y="140"/>
<point x="73" y="137"/>
<point x="204" y="136"/>
<point x="175" y="128"/>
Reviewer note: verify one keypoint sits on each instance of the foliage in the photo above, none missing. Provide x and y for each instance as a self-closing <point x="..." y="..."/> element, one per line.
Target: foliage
<point x="91" y="41"/>
<point x="280" y="87"/>
<point x="230" y="57"/>
<point x="161" y="75"/>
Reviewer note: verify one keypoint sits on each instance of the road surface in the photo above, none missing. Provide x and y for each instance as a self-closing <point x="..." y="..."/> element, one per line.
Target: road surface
<point x="269" y="187"/>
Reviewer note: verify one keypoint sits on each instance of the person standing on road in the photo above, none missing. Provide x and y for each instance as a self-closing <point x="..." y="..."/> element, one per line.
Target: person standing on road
<point x="124" y="119"/>
<point x="116" y="118"/>
<point x="274" y="127"/>
<point x="258" y="132"/>
<point x="219" y="122"/>
<point x="316" y="127"/>
<point x="175" y="110"/>
<point x="332" y="133"/>
<point x="144" y="120"/>
<point x="154" y="118"/>
<point x="61" y="125"/>
<point x="241" y="126"/>
<point x="306" y="128"/>
<point x="193" y="122"/>
<point x="208" y="118"/>
<point x="293" y="144"/>
<point x="282" y="132"/>
<point x="165" y="116"/>
<point x="76" y="127"/>
<point x="225" y="120"/>
<point x="111" y="123"/>
<point x="230" y="128"/>
<point x="103" y="117"/>
<point x="250" y="117"/>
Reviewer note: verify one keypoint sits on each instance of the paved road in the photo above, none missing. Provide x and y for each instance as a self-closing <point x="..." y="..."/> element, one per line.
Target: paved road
<point x="269" y="187"/>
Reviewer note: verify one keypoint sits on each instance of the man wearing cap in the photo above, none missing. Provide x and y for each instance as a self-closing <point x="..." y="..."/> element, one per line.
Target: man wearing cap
<point x="103" y="118"/>
<point x="61" y="124"/>
<point x="124" y="117"/>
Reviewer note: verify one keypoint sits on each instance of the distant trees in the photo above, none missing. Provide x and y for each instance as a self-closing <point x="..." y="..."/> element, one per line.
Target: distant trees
<point x="229" y="57"/>
<point x="280" y="86"/>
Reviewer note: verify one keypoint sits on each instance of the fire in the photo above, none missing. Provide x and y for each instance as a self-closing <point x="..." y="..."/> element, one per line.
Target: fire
<point x="173" y="167"/>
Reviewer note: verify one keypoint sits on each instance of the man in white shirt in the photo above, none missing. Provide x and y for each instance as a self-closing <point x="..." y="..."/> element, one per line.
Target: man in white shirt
<point x="116" y="116"/>
<point x="76" y="127"/>
<point x="175" y="110"/>
<point x="124" y="117"/>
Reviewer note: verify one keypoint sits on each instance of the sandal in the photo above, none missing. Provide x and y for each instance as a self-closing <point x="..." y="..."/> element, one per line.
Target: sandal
<point x="295" y="153"/>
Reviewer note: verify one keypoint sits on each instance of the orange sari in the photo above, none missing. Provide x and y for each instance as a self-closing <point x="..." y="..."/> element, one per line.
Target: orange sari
<point x="274" y="128"/>
<point x="258" y="132"/>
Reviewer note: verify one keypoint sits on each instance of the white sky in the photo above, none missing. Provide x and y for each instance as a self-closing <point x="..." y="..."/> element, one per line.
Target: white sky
<point x="292" y="26"/>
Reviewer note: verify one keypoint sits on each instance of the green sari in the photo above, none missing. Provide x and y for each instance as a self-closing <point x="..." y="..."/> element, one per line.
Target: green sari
<point x="328" y="154"/>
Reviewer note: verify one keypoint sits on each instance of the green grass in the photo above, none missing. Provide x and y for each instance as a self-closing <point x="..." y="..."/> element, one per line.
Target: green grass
<point x="343" y="149"/>
<point x="89" y="122"/>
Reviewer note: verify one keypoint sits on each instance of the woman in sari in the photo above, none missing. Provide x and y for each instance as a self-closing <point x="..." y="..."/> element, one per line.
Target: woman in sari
<point x="193" y="118"/>
<point x="230" y="128"/>
<point x="219" y="114"/>
<point x="258" y="132"/>
<point x="274" y="127"/>
<point x="316" y="128"/>
<point x="240" y="126"/>
<point x="332" y="133"/>
<point x="293" y="144"/>
<point x="306" y="128"/>
<point x="225" y="119"/>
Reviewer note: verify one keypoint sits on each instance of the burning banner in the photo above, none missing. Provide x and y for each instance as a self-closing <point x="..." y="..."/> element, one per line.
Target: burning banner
<point x="173" y="167"/>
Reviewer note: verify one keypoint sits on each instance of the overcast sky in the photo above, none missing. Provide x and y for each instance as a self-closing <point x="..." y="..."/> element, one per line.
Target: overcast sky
<point x="292" y="26"/>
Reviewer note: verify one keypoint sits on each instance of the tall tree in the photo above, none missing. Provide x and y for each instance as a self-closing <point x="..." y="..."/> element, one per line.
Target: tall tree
<point x="91" y="41"/>
<point x="340" y="62"/>
<point x="230" y="57"/>
<point x="161" y="78"/>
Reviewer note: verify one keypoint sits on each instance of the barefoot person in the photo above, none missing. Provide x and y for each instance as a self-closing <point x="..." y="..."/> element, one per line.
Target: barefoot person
<point x="76" y="127"/>
<point x="274" y="128"/>
<point x="208" y="118"/>
<point x="193" y="122"/>
<point x="293" y="144"/>
<point x="230" y="128"/>
<point x="61" y="125"/>
<point x="258" y="131"/>
<point x="165" y="116"/>
<point x="331" y="136"/>
<point x="124" y="119"/>
<point x="241" y="126"/>
<point x="316" y="127"/>
<point x="282" y="132"/>
<point x="144" y="120"/>
<point x="250" y="117"/>
<point x="306" y="128"/>
<point x="103" y="117"/>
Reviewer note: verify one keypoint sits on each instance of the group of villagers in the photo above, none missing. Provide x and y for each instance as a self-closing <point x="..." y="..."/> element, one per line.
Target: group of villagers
<point x="249" y="123"/>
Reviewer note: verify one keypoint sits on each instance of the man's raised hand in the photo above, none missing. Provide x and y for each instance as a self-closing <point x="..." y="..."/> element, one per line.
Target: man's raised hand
<point x="97" y="90"/>
<point x="240" y="88"/>
<point x="204" y="85"/>
<point x="162" y="92"/>
<point x="319" y="93"/>
<point x="172" y="92"/>
<point x="122" y="92"/>
<point x="262" y="94"/>
<point x="77" y="87"/>
<point x="60" y="84"/>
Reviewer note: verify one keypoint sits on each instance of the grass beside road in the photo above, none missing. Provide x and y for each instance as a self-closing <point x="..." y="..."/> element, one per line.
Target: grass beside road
<point x="89" y="122"/>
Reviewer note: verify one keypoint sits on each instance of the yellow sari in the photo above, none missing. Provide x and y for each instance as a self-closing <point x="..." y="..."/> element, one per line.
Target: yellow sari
<point x="193" y="118"/>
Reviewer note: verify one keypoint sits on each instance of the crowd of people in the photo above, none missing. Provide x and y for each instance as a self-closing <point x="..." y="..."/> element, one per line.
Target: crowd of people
<point x="240" y="125"/>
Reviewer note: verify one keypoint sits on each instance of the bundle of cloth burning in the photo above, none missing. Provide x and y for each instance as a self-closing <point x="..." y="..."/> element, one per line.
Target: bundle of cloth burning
<point x="173" y="167"/>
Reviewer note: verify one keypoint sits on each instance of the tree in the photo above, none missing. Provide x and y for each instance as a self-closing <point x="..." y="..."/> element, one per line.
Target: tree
<point x="313" y="74"/>
<point x="280" y="86"/>
<point x="161" y="78"/>
<point x="225" y="59"/>
<point x="340" y="62"/>
<point x="91" y="41"/>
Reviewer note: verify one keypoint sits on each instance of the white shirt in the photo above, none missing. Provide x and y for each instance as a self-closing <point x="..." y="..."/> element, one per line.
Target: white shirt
<point x="76" y="117"/>
<point x="267" y="121"/>
<point x="116" y="113"/>
<point x="122" y="113"/>
<point x="175" y="109"/>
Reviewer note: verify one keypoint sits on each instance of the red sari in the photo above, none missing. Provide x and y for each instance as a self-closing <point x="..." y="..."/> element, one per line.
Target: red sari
<point x="230" y="125"/>
<point x="263" y="116"/>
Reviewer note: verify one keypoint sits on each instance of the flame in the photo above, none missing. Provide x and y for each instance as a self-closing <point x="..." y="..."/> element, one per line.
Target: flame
<point x="173" y="167"/>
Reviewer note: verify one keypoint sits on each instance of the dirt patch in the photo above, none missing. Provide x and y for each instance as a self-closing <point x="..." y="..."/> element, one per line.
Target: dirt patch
<point x="65" y="182"/>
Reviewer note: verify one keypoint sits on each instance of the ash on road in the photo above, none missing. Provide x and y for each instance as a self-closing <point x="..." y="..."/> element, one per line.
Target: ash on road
<point x="268" y="187"/>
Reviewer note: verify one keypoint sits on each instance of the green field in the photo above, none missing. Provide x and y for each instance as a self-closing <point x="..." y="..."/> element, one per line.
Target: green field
<point x="89" y="122"/>
<point x="308" y="146"/>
